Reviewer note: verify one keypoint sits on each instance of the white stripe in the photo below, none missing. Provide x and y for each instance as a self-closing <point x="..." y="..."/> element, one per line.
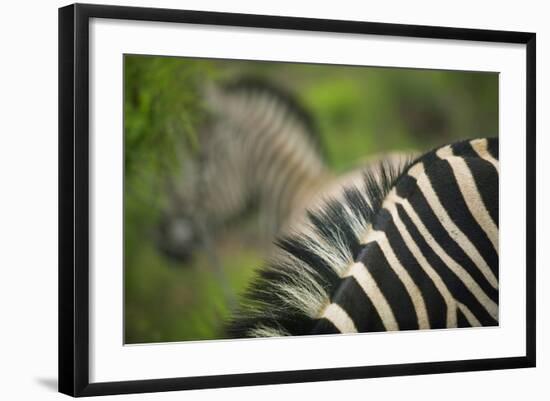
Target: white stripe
<point x="412" y="289"/>
<point x="480" y="146"/>
<point x="424" y="264"/>
<point x="469" y="315"/>
<point x="417" y="171"/>
<point x="463" y="275"/>
<point x="365" y="280"/>
<point x="473" y="200"/>
<point x="444" y="152"/>
<point x="339" y="318"/>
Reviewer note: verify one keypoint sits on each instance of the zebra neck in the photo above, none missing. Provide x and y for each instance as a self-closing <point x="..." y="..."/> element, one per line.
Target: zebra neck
<point x="429" y="258"/>
<point x="283" y="166"/>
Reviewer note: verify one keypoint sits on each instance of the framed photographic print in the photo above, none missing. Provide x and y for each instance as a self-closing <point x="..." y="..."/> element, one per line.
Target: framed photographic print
<point x="250" y="199"/>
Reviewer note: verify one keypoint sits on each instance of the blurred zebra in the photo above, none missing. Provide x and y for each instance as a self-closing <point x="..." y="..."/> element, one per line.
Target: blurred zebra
<point x="259" y="150"/>
<point x="414" y="248"/>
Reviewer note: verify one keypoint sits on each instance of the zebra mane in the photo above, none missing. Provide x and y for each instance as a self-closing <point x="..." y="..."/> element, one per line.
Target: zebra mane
<point x="290" y="292"/>
<point x="252" y="83"/>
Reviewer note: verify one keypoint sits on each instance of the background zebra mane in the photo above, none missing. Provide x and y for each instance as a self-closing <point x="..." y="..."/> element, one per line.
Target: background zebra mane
<point x="256" y="84"/>
<point x="290" y="292"/>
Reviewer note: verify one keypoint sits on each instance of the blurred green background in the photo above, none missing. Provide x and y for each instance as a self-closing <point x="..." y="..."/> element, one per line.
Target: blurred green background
<point x="359" y="111"/>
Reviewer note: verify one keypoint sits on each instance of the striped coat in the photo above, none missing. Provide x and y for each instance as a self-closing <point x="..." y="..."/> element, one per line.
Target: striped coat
<point x="415" y="248"/>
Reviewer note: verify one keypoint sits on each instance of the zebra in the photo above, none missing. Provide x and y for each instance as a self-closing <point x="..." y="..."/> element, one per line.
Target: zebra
<point x="414" y="248"/>
<point x="260" y="149"/>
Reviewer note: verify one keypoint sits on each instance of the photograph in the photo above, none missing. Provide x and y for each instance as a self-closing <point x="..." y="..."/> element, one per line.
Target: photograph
<point x="250" y="199"/>
<point x="274" y="199"/>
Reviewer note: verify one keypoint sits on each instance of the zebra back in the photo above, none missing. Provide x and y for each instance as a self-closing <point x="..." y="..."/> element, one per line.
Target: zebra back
<point x="415" y="248"/>
<point x="271" y="147"/>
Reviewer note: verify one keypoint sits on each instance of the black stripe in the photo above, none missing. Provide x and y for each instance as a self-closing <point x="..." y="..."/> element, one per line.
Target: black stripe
<point x="461" y="319"/>
<point x="390" y="285"/>
<point x="351" y="298"/>
<point x="492" y="147"/>
<point x="406" y="186"/>
<point x="464" y="149"/>
<point x="324" y="326"/>
<point x="444" y="183"/>
<point x="486" y="179"/>
<point x="452" y="281"/>
<point x="429" y="158"/>
<point x="435" y="304"/>
<point x="484" y="173"/>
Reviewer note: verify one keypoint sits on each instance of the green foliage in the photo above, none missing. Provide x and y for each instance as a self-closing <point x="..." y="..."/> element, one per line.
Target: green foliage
<point x="165" y="302"/>
<point x="162" y="107"/>
<point x="162" y="110"/>
<point x="363" y="111"/>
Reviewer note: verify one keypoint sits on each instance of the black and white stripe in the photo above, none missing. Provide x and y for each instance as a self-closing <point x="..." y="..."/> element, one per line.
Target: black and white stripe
<point x="415" y="248"/>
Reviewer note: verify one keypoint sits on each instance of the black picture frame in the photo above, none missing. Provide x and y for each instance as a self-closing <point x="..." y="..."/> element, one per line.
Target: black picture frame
<point x="74" y="194"/>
